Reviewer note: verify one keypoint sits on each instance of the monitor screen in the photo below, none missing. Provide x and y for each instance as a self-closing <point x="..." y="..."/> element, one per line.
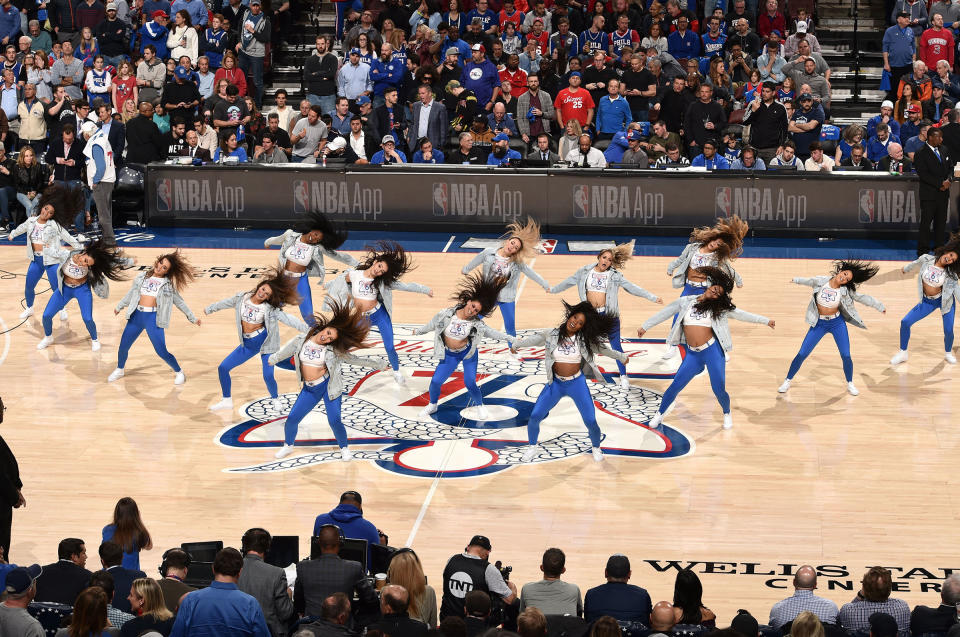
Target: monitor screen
<point x="380" y="556"/>
<point x="202" y="551"/>
<point x="284" y="550"/>
<point x="200" y="574"/>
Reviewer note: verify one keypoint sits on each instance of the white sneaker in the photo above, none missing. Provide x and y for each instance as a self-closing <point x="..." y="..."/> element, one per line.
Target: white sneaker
<point x="116" y="374"/>
<point x="398" y="377"/>
<point x="283" y="452"/>
<point x="429" y="409"/>
<point x="784" y="387"/>
<point x="625" y="381"/>
<point x="44" y="342"/>
<point x="482" y="413"/>
<point x="532" y="452"/>
<point x="655" y="421"/>
<point x="95" y="346"/>
<point x="82" y="238"/>
<point x="27" y="313"/>
<point x="950" y="358"/>
<point x="670" y="352"/>
<point x="853" y="391"/>
<point x="179" y="379"/>
<point x="345" y="454"/>
<point x="597" y="454"/>
<point x="728" y="421"/>
<point x="515" y="357"/>
<point x="900" y="357"/>
<point x="226" y="403"/>
<point x="726" y="357"/>
<point x="63" y="315"/>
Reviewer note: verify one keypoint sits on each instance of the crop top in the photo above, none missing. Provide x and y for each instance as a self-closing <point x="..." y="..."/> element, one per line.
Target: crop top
<point x="73" y="270"/>
<point x="502" y="266"/>
<point x="312" y="354"/>
<point x="695" y="317"/>
<point x="598" y="281"/>
<point x="701" y="260"/>
<point x="828" y="297"/>
<point x="151" y="286"/>
<point x="300" y="253"/>
<point x="362" y="287"/>
<point x="251" y="312"/>
<point x="567" y="351"/>
<point x="933" y="276"/>
<point x="36" y="235"/>
<point x="458" y="329"/>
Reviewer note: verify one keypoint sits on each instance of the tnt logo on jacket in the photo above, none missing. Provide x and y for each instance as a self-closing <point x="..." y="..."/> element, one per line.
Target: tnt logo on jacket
<point x="164" y="195"/>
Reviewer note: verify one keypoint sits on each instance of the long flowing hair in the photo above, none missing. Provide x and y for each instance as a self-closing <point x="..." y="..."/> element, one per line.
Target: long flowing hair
<point x="333" y="236"/>
<point x="688" y="596"/>
<point x="596" y="326"/>
<point x="181" y="273"/>
<point x="730" y="231"/>
<point x="474" y="287"/>
<point x="66" y="202"/>
<point x="392" y="253"/>
<point x="129" y="531"/>
<point x="107" y="263"/>
<point x="89" y="613"/>
<point x="529" y="236"/>
<point x="150" y="592"/>
<point x="952" y="245"/>
<point x="284" y="288"/>
<point x="861" y="270"/>
<point x="723" y="303"/>
<point x="351" y="325"/>
<point x="405" y="569"/>
<point x="619" y="255"/>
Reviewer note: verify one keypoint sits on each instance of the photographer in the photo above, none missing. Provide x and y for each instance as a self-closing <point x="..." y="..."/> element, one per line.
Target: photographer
<point x="472" y="571"/>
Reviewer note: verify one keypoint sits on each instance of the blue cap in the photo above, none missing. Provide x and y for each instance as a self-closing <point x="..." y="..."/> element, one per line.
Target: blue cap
<point x="20" y="578"/>
<point x="633" y="135"/>
<point x="355" y="51"/>
<point x="501" y="137"/>
<point x="576" y="73"/>
<point x="181" y="73"/>
<point x="363" y="99"/>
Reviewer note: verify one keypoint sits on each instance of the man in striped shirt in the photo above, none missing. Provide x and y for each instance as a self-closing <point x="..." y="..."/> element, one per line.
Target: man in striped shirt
<point x="803" y="599"/>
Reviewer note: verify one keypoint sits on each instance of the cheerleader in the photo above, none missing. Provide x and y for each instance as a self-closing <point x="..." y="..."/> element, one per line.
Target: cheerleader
<point x="937" y="287"/>
<point x="599" y="284"/>
<point x="46" y="232"/>
<point x="830" y="309"/>
<point x="458" y="331"/>
<point x="258" y="314"/>
<point x="98" y="82"/>
<point x="302" y="252"/>
<point x="712" y="247"/>
<point x="703" y="327"/>
<point x="507" y="261"/>
<point x="149" y="303"/>
<point x="317" y="356"/>
<point x="568" y="358"/>
<point x="371" y="286"/>
<point x="78" y="273"/>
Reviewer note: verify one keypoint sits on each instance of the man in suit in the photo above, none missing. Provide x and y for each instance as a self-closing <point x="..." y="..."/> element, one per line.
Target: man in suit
<point x="116" y="134"/>
<point x="320" y="578"/>
<point x="144" y="138"/>
<point x="951" y="132"/>
<point x="63" y="580"/>
<point x="111" y="556"/>
<point x="192" y="147"/>
<point x="394" y="620"/>
<point x="542" y="151"/>
<point x="934" y="167"/>
<point x="925" y="620"/>
<point x="265" y="582"/>
<point x="429" y="120"/>
<point x="10" y="496"/>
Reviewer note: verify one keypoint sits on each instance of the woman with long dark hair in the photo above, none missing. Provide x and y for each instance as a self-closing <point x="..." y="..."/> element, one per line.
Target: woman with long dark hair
<point x="830" y="309"/>
<point x="599" y="284"/>
<point x="317" y="356"/>
<point x="89" y="618"/>
<point x="458" y="330"/>
<point x="127" y="530"/>
<point x="688" y="605"/>
<point x="32" y="177"/>
<point x="149" y="304"/>
<point x="569" y="350"/>
<point x="938" y="289"/>
<point x="79" y="274"/>
<point x="370" y="288"/>
<point x="507" y="260"/>
<point x="259" y="313"/>
<point x="302" y="251"/>
<point x="703" y="327"/>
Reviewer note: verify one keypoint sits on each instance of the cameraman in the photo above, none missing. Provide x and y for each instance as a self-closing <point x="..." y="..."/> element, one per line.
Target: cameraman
<point x="471" y="571"/>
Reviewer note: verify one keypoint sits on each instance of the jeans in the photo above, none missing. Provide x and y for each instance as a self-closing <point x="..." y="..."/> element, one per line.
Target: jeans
<point x="448" y="365"/>
<point x="34" y="273"/>
<point x="254" y="67"/>
<point x="325" y="102"/>
<point x="922" y="310"/>
<point x="60" y="299"/>
<point x="114" y="61"/>
<point x="239" y="356"/>
<point x="615" y="345"/>
<point x="7" y="194"/>
<point x="693" y="363"/>
<point x="30" y="205"/>
<point x="837" y="327"/>
<point x="578" y="391"/>
<point x="308" y="399"/>
<point x="138" y="322"/>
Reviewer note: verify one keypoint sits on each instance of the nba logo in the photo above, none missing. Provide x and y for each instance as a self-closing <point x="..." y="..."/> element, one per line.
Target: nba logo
<point x="581" y="202"/>
<point x="724" y="201"/>
<point x="867" y="210"/>
<point x="165" y="195"/>
<point x="441" y="199"/>
<point x="301" y="197"/>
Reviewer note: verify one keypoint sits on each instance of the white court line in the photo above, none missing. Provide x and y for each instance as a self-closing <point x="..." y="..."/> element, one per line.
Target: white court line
<point x="428" y="499"/>
<point x="523" y="281"/>
<point x="447" y="247"/>
<point x="6" y="343"/>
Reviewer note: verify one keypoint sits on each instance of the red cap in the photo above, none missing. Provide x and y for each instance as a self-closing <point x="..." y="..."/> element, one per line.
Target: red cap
<point x="159" y="14"/>
<point x="913" y="108"/>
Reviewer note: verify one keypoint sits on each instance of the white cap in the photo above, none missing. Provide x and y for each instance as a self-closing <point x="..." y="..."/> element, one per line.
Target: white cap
<point x="886" y="104"/>
<point x="801" y="26"/>
<point x="337" y="143"/>
<point x="88" y="127"/>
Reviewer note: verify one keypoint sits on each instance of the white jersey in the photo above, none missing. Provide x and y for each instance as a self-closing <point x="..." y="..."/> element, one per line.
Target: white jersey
<point x="701" y="260"/>
<point x="251" y="312"/>
<point x="36" y="235"/>
<point x="152" y="285"/>
<point x="74" y="270"/>
<point x="458" y="329"/>
<point x="933" y="276"/>
<point x="99" y="140"/>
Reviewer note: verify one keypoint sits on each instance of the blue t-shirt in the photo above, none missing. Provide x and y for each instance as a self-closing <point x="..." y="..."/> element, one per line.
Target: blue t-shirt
<point x="803" y="140"/>
<point x="131" y="560"/>
<point x="503" y="161"/>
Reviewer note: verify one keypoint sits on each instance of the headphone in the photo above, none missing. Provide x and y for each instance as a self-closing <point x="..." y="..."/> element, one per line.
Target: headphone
<point x="332" y="526"/>
<point x="164" y="566"/>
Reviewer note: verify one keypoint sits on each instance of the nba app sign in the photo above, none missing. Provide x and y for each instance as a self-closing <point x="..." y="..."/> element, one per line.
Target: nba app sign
<point x="888" y="206"/>
<point x="454" y="199"/>
<point x="198" y="195"/>
<point x="618" y="202"/>
<point x="337" y="198"/>
<point x="384" y="427"/>
<point x="762" y="204"/>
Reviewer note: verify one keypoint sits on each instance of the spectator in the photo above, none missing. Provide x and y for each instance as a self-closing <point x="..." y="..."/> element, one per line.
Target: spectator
<point x="477" y="606"/>
<point x="174" y="569"/>
<point x="531" y="58"/>
<point x="502" y="154"/>
<point x="709" y="158"/>
<point x="787" y="157"/>
<point x="574" y="103"/>
<point x="89" y="615"/>
<point x="656" y="145"/>
<point x="745" y="624"/>
<point x="532" y="623"/>
<point x="551" y="595"/>
<point x="111" y="35"/>
<point x="771" y="21"/>
<point x="222" y="609"/>
<point x="481" y="77"/>
<point x="749" y="41"/>
<point x="613" y="112"/>
<point x="895" y="162"/>
<point x="662" y="620"/>
<point x="319" y="578"/>
<point x="674" y="103"/>
<point x="232" y="112"/>
<point x="229" y="147"/>
<point x="802" y="34"/>
<point x="353" y="78"/>
<point x="806" y="123"/>
<point x="68" y="72"/>
<point x="856" y="159"/>
<point x="500" y="121"/>
<point x="111" y="555"/>
<point x="254" y="34"/>
<point x="916" y="14"/>
<point x="145" y="143"/>
<point x="366" y="27"/>
<point x="63" y="580"/>
<point x="688" y="605"/>
<point x="181" y="98"/>
<point x="406" y="571"/>
<point x="323" y="83"/>
<point x="101" y="176"/>
<point x="282" y="111"/>
<point x="748" y="160"/>
<point x="193" y="149"/>
<point x="921" y="84"/>
<point x="340" y="116"/>
<point x="348" y="517"/>
<point x="877" y="145"/>
<point x="465" y="153"/>
<point x="617" y="598"/>
<point x="585" y="156"/>
<point x="88" y="15"/>
<point x="151" y="73"/>
<point x="215" y="41"/>
<point x="817" y="162"/>
<point x="264" y="582"/>
<point x="104" y="580"/>
<point x="924" y="619"/>
<point x="146" y="600"/>
<point x="672" y="158"/>
<point x="916" y="142"/>
<point x="874" y="595"/>
<point x="635" y="154"/>
<point x="933" y="109"/>
<point x="39" y="38"/>
<point x="8" y="193"/>
<point x="936" y="43"/>
<point x="154" y="32"/>
<point x="183" y="39"/>
<point x="768" y="121"/>
<point x="334" y="615"/>
<point x="394" y="620"/>
<point x="15" y="619"/>
<point x="951" y="83"/>
<point x="704" y="119"/>
<point x="428" y="119"/>
<point x="882" y="625"/>
<point x="426" y="154"/>
<point x="534" y="109"/>
<point x="384" y="72"/>
<point x="910" y="113"/>
<point x="33" y="124"/>
<point x="683" y="43"/>
<point x="885" y="116"/>
<point x="771" y="63"/>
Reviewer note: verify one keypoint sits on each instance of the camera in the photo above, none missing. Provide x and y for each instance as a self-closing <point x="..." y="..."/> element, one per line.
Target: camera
<point x="504" y="570"/>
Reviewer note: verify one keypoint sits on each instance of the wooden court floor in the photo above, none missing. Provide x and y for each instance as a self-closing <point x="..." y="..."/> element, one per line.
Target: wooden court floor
<point x="815" y="476"/>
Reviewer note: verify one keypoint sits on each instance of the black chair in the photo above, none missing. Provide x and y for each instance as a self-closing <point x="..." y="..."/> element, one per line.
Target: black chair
<point x="566" y="626"/>
<point x="601" y="144"/>
<point x="50" y="615"/>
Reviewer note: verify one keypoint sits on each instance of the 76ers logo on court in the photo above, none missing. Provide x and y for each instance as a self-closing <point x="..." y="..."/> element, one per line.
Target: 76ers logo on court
<point x="384" y="427"/>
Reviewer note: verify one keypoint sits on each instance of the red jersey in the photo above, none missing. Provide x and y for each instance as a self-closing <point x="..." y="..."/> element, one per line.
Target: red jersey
<point x="516" y="17"/>
<point x="543" y="41"/>
<point x="935" y="46"/>
<point x="574" y="105"/>
<point x="518" y="81"/>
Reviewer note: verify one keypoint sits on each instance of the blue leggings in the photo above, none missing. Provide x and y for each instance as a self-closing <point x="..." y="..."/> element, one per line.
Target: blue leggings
<point x="239" y="356"/>
<point x="551" y="395"/>
<point x="509" y="311"/>
<point x="712" y="358"/>
<point x="306" y="299"/>
<point x="381" y="320"/>
<point x="308" y="398"/>
<point x="447" y="367"/>
<point x="136" y="324"/>
<point x="920" y="311"/>
<point x="615" y="345"/>
<point x="59" y="299"/>
<point x="34" y="274"/>
<point x="838" y="328"/>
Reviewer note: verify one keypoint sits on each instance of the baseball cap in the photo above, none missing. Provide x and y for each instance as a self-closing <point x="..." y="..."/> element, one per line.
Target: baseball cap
<point x="480" y="117"/>
<point x="20" y="578"/>
<point x="576" y="74"/>
<point x="937" y="83"/>
<point x="806" y="96"/>
<point x="886" y="104"/>
<point x="618" y="566"/>
<point x="181" y="73"/>
<point x="363" y="99"/>
<point x="111" y="6"/>
<point x="777" y="33"/>
<point x="881" y="624"/>
<point x="388" y="139"/>
<point x="253" y="2"/>
<point x="159" y="14"/>
<point x="745" y="624"/>
<point x="501" y="137"/>
<point x="452" y="84"/>
<point x="354" y="51"/>
<point x="478" y="47"/>
<point x="535" y="20"/>
<point x="913" y="108"/>
<point x="88" y="127"/>
<point x="633" y="135"/>
<point x="801" y="28"/>
<point x="338" y="142"/>
<point x="903" y="14"/>
<point x="481" y="540"/>
<point x="453" y="51"/>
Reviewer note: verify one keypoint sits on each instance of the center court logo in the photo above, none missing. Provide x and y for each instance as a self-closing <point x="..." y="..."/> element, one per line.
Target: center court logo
<point x="384" y="428"/>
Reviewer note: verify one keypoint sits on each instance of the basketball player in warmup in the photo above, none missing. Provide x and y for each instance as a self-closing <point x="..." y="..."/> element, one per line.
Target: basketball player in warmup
<point x="458" y="331"/>
<point x="569" y="350"/>
<point x="599" y="283"/>
<point x="507" y="260"/>
<point x="938" y="289"/>
<point x="259" y="313"/>
<point x="714" y="246"/>
<point x="149" y="304"/>
<point x="317" y="356"/>
<point x="302" y="251"/>
<point x="830" y="309"/>
<point x="703" y="326"/>
<point x="371" y="286"/>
